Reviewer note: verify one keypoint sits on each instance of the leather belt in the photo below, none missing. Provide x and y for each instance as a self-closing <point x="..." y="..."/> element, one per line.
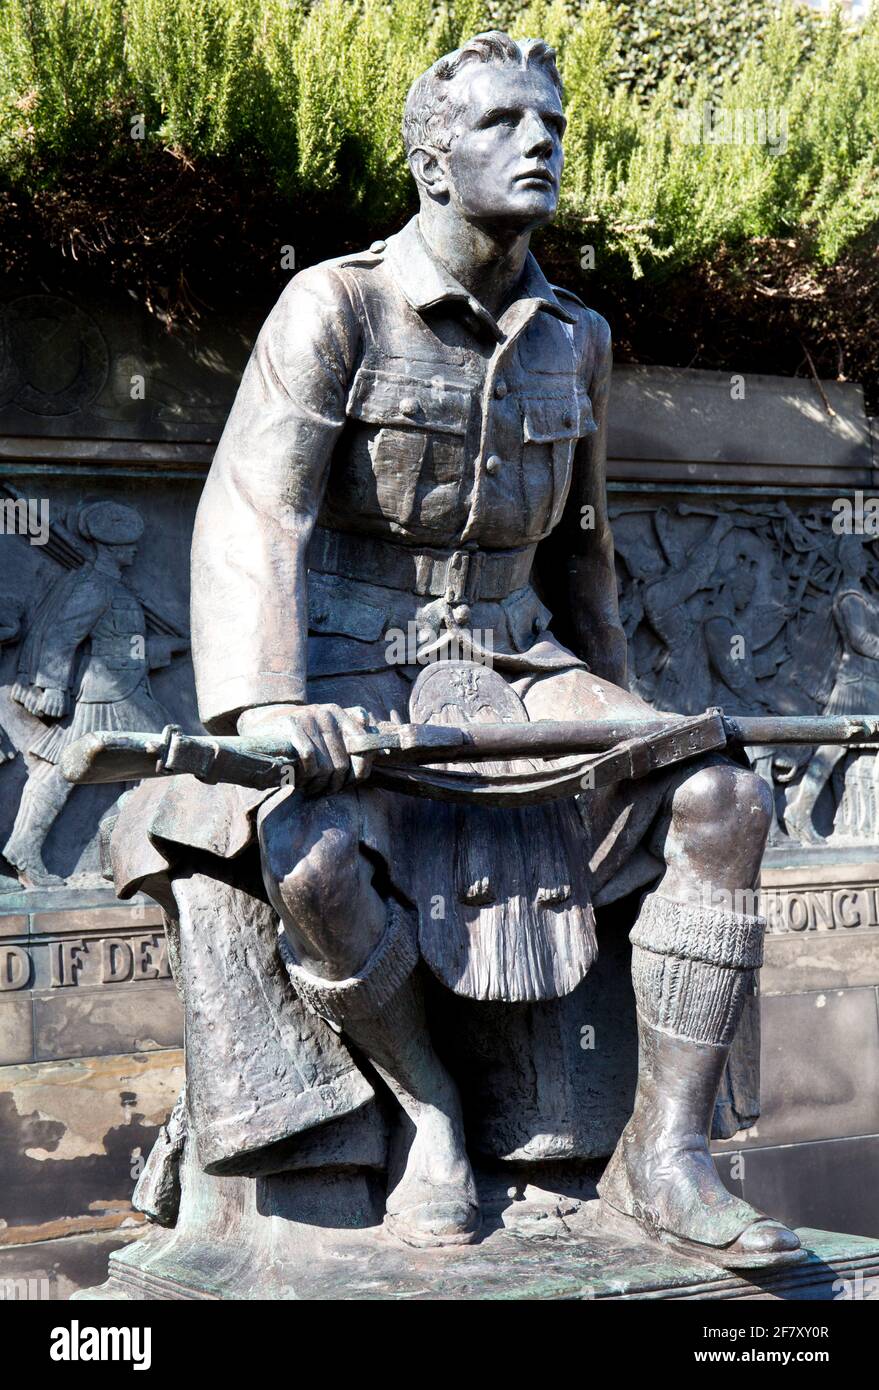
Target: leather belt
<point x="461" y="576"/>
<point x="119" y="647"/>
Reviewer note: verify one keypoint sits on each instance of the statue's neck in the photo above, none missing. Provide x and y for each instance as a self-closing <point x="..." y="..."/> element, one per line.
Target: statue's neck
<point x="487" y="263"/>
<point x="106" y="565"/>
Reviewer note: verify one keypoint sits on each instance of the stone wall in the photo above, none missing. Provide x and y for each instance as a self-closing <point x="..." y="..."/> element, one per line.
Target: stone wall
<point x="773" y="456"/>
<point x="97" y="403"/>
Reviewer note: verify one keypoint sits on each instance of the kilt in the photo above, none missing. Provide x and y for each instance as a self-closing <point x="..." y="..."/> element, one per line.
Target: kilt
<point x="136" y="712"/>
<point x="505" y="897"/>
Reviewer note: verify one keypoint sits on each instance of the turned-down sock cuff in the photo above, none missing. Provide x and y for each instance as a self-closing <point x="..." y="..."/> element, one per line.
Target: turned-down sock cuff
<point x="365" y="994"/>
<point x="709" y="934"/>
<point x="693" y="967"/>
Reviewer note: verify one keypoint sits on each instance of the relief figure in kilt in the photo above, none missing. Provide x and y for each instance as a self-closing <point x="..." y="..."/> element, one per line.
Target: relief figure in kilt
<point x="419" y="434"/>
<point x="856" y="687"/>
<point x="84" y="666"/>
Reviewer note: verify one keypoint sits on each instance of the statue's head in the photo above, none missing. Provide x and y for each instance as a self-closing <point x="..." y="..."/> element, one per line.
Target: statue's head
<point x="113" y="528"/>
<point x="853" y="556"/>
<point x="738" y="565"/>
<point x="483" y="131"/>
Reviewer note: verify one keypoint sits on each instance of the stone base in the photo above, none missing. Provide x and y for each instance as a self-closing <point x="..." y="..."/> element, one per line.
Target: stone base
<point x="811" y="1157"/>
<point x="53" y="1270"/>
<point x="322" y="1241"/>
<point x="91" y="1060"/>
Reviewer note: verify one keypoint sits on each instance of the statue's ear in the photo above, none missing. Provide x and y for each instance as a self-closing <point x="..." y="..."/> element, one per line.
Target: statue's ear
<point x="428" y="171"/>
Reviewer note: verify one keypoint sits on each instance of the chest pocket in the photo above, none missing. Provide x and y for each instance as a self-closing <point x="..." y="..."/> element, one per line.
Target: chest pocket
<point x="557" y="417"/>
<point x="551" y="426"/>
<point x="417" y="428"/>
<point x="118" y="636"/>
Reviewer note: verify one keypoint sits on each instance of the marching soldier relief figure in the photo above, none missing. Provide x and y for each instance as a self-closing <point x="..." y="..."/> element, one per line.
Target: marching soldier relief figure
<point x="420" y="428"/>
<point x="856" y="689"/>
<point x="88" y="613"/>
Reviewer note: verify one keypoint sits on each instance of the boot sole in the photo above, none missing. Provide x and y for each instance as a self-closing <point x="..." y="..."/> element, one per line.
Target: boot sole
<point x="616" y="1222"/>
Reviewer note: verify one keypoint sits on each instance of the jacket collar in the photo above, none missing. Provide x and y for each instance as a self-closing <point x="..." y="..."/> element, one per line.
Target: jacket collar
<point x="426" y="283"/>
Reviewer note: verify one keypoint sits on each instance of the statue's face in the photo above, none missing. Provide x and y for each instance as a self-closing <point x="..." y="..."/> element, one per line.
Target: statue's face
<point x="506" y="158"/>
<point x="124" y="555"/>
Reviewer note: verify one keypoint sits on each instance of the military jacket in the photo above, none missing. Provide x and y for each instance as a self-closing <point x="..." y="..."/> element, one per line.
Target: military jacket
<point x="390" y="432"/>
<point x="88" y="634"/>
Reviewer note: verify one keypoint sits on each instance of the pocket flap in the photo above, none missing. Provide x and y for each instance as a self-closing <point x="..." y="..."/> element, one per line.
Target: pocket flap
<point x="546" y="418"/>
<point x="333" y="607"/>
<point x="526" y="618"/>
<point x="392" y="398"/>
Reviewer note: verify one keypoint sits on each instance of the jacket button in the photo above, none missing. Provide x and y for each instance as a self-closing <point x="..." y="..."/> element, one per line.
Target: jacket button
<point x="377" y="247"/>
<point x="500" y="390"/>
<point x="492" y="464"/>
<point x="409" y="405"/>
<point x="568" y="419"/>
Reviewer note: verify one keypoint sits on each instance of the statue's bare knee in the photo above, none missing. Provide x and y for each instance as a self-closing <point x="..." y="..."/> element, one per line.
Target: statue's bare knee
<point x="321" y="883"/>
<point x="719" y="818"/>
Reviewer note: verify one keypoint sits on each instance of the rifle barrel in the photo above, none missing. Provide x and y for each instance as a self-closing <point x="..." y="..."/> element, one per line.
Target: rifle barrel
<point x="803" y="728"/>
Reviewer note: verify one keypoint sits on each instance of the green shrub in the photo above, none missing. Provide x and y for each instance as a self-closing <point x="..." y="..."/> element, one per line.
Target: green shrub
<point x="191" y="64"/>
<point x="62" y="76"/>
<point x="691" y="39"/>
<point x="307" y="99"/>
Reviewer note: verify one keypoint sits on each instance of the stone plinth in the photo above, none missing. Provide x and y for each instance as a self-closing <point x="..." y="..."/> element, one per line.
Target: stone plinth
<point x="809" y="1157"/>
<point x="90" y="1058"/>
<point x="280" y="1244"/>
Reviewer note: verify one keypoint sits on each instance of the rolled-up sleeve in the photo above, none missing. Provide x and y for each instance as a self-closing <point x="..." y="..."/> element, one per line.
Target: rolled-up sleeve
<point x="261" y="500"/>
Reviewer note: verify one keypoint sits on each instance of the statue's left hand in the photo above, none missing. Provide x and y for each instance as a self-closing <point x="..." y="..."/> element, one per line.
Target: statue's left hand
<point x="53" y="703"/>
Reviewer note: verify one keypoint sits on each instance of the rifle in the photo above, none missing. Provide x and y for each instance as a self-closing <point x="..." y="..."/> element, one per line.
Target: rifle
<point x="409" y="757"/>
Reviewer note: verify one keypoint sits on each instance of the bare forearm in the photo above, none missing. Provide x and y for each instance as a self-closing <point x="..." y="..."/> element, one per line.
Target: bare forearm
<point x="601" y="640"/>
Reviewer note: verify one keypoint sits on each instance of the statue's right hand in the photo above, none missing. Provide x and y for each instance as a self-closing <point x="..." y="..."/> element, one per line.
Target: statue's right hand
<point x="318" y="733"/>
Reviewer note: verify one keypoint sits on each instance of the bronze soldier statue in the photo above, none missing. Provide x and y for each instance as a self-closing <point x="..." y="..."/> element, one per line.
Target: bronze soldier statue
<point x="420" y="428"/>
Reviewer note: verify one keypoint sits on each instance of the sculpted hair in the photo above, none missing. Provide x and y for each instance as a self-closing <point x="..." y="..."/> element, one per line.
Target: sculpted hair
<point x="430" y="112"/>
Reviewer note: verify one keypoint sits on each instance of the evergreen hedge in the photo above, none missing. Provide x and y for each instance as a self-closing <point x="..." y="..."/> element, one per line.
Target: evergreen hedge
<point x="300" y="103"/>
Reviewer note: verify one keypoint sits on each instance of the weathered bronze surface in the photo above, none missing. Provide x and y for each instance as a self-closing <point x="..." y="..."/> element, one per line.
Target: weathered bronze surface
<point x="420" y="429"/>
<point x="253" y="762"/>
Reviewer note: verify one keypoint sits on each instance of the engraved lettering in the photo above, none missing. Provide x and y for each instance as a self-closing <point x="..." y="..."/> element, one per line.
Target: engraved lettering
<point x="117" y="960"/>
<point x="15" y="968"/>
<point x="66" y="962"/>
<point x="847" y="916"/>
<point x="145" y="968"/>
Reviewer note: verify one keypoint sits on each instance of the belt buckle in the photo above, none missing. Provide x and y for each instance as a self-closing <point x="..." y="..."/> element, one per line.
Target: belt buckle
<point x="457" y="575"/>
